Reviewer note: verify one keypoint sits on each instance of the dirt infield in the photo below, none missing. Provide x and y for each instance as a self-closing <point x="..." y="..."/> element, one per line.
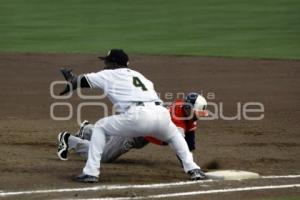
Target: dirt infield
<point x="270" y="146"/>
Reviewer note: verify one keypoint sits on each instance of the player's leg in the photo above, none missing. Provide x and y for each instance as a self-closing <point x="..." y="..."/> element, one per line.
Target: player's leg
<point x="179" y="145"/>
<point x="115" y="147"/>
<point x="130" y="124"/>
<point x="85" y="131"/>
<point x="167" y="129"/>
<point x="96" y="148"/>
<point x="80" y="146"/>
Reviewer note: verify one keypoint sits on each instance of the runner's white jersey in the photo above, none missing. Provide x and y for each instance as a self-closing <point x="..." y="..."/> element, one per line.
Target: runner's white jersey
<point x="123" y="87"/>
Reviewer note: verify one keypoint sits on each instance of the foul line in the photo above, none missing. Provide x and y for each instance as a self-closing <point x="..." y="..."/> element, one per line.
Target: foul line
<point x="105" y="187"/>
<point x="120" y="187"/>
<point x="198" y="192"/>
<point x="287" y="176"/>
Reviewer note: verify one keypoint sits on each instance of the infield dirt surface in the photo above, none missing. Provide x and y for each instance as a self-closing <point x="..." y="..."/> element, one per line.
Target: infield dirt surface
<point x="270" y="146"/>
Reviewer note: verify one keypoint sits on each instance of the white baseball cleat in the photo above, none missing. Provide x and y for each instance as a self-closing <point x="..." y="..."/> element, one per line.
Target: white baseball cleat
<point x="62" y="151"/>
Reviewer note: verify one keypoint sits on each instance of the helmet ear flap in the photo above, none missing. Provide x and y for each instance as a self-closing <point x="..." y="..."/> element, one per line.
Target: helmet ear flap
<point x="191" y="98"/>
<point x="187" y="106"/>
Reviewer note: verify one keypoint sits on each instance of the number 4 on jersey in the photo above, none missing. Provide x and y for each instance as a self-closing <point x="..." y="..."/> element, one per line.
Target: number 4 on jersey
<point x="138" y="83"/>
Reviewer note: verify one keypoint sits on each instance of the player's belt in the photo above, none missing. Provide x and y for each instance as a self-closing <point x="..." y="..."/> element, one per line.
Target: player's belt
<point x="140" y="103"/>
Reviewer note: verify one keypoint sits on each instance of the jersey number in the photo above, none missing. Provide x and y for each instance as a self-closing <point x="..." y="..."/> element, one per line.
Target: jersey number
<point x="138" y="83"/>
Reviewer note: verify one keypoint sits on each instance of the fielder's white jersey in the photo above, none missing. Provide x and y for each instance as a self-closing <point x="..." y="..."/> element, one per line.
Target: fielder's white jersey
<point x="123" y="87"/>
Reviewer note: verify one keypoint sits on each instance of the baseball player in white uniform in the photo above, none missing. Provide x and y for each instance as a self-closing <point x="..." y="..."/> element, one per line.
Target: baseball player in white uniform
<point x="141" y="113"/>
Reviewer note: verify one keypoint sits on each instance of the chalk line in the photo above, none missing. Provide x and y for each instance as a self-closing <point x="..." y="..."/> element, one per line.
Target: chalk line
<point x="241" y="189"/>
<point x="106" y="187"/>
<point x="120" y="187"/>
<point x="286" y="176"/>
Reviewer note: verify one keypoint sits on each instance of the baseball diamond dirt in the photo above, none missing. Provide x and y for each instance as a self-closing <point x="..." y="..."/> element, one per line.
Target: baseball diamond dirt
<point x="270" y="146"/>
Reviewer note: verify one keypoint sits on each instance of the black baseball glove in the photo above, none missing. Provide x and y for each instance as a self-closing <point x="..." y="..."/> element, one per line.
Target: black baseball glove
<point x="73" y="81"/>
<point x="69" y="76"/>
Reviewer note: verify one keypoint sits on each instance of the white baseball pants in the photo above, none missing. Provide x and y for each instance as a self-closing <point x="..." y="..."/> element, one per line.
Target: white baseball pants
<point x="148" y="120"/>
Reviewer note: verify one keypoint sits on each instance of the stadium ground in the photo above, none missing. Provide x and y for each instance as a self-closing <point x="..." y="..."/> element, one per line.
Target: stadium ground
<point x="270" y="146"/>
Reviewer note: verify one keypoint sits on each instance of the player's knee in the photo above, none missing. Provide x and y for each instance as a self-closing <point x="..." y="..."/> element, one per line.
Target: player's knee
<point x="100" y="124"/>
<point x="88" y="128"/>
<point x="127" y="145"/>
<point x="139" y="142"/>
